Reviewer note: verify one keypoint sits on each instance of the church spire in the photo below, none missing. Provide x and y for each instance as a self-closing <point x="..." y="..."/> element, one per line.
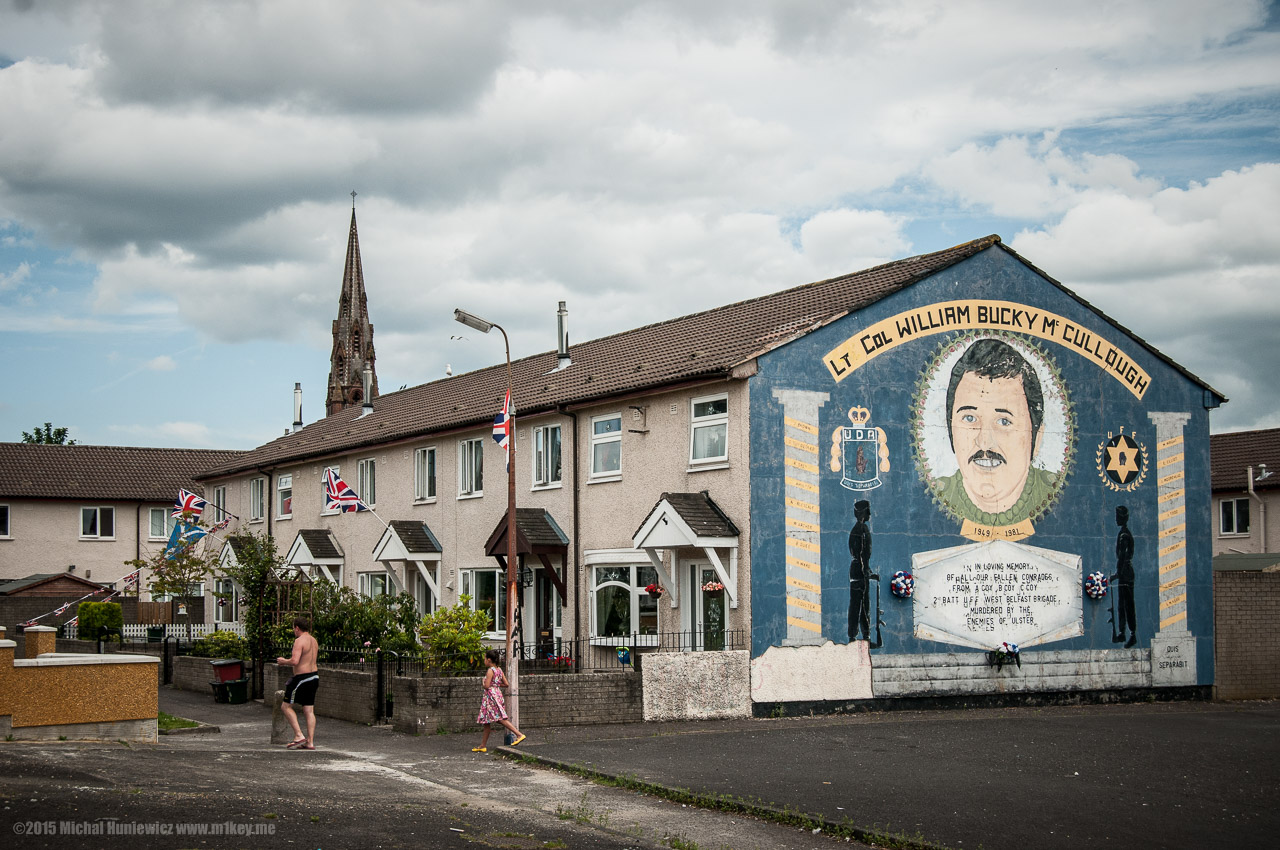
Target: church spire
<point x="352" y="334"/>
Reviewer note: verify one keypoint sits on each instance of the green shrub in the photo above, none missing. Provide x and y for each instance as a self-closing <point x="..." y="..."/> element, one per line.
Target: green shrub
<point x="453" y="638"/>
<point x="221" y="645"/>
<point x="94" y="615"/>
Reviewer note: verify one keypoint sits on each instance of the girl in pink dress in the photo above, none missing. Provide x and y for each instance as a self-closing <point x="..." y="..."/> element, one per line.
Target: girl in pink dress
<point x="493" y="708"/>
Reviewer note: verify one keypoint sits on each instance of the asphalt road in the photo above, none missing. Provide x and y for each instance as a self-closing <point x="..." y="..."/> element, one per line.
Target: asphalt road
<point x="1178" y="775"/>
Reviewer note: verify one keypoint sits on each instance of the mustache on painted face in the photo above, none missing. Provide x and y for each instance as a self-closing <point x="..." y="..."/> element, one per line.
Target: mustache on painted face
<point x="984" y="459"/>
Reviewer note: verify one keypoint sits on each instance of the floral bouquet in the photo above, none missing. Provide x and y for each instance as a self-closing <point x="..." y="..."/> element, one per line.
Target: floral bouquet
<point x="713" y="586"/>
<point x="654" y="589"/>
<point x="1095" y="585"/>
<point x="902" y="585"/>
<point x="1004" y="653"/>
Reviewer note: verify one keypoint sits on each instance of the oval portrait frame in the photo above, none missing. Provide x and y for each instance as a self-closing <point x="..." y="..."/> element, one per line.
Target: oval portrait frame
<point x="931" y="444"/>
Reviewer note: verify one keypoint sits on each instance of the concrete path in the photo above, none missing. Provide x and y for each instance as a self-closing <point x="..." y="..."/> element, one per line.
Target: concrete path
<point x="363" y="787"/>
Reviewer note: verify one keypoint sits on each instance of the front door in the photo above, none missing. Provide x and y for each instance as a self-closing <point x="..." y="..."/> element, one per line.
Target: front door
<point x="706" y="614"/>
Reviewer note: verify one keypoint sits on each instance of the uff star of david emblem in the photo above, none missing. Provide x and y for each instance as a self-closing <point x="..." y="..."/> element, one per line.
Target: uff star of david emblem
<point x="1122" y="462"/>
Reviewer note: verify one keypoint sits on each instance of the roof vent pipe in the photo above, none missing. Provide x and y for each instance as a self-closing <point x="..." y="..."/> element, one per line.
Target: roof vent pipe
<point x="562" y="337"/>
<point x="368" y="388"/>
<point x="297" y="406"/>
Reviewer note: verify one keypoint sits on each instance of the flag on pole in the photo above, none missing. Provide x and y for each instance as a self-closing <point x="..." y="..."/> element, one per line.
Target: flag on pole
<point x="338" y="495"/>
<point x="218" y="526"/>
<point x="188" y="503"/>
<point x="502" y="427"/>
<point x="183" y="535"/>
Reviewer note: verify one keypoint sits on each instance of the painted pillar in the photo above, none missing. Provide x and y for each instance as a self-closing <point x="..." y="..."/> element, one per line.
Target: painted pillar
<point x="1173" y="657"/>
<point x="803" y="527"/>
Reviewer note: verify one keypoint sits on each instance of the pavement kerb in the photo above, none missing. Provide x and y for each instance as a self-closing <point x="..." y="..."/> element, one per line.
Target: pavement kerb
<point x="773" y="814"/>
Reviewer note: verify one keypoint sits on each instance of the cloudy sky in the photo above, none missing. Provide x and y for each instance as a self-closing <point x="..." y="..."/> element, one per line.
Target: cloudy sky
<point x="175" y="179"/>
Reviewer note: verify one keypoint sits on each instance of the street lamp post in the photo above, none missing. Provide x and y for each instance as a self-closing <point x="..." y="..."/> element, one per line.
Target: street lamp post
<point x="513" y="663"/>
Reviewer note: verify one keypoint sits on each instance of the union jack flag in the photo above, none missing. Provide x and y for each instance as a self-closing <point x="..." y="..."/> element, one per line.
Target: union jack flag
<point x="188" y="503"/>
<point x="338" y="495"/>
<point x="218" y="526"/>
<point x="502" y="427"/>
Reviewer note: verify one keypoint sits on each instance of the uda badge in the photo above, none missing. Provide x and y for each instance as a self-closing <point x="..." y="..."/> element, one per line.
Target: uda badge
<point x="860" y="452"/>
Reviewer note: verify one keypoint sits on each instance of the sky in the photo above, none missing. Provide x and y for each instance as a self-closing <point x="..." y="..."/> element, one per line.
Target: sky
<point x="175" y="180"/>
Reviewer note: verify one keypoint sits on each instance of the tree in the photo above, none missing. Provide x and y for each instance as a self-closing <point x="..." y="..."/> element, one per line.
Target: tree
<point x="48" y="436"/>
<point x="175" y="570"/>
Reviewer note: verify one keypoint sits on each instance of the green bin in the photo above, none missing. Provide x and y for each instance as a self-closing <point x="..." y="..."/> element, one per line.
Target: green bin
<point x="155" y="634"/>
<point x="237" y="691"/>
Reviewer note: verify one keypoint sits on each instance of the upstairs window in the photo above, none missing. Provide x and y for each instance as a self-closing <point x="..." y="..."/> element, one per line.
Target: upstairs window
<point x="4" y="521"/>
<point x="367" y="481"/>
<point x="162" y="523"/>
<point x="324" y="499"/>
<point x="219" y="503"/>
<point x="471" y="468"/>
<point x="257" y="499"/>
<point x="606" y="446"/>
<point x="98" y="523"/>
<point x="1235" y="517"/>
<point x="284" y="494"/>
<point x="709" y="430"/>
<point x="424" y="475"/>
<point x="546" y="456"/>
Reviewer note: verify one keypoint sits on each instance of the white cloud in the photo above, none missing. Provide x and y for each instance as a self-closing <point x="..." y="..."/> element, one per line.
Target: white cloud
<point x="163" y="363"/>
<point x="8" y="280"/>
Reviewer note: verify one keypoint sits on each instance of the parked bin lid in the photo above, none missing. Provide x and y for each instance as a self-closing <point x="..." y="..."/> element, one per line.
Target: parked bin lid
<point x="223" y="662"/>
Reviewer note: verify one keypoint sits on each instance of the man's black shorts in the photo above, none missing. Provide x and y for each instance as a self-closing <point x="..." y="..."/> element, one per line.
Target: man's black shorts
<point x="301" y="689"/>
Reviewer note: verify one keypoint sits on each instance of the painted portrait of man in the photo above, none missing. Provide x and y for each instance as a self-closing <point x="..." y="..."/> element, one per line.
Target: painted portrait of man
<point x="994" y="469"/>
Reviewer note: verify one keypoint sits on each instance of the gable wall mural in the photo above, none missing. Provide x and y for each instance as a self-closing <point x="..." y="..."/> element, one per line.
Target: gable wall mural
<point x="977" y="485"/>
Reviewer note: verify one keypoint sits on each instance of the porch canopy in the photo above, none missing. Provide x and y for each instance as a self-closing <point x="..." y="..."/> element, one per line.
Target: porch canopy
<point x="316" y="547"/>
<point x="229" y="555"/>
<point x="410" y="542"/>
<point x="537" y="533"/>
<point x="693" y="521"/>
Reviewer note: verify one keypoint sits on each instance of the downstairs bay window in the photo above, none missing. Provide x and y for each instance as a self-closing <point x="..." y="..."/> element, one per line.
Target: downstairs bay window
<point x="622" y="613"/>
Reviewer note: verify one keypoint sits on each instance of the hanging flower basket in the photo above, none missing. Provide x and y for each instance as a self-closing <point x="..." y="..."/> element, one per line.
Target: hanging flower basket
<point x="655" y="590"/>
<point x="1095" y="585"/>
<point x="713" y="588"/>
<point x="902" y="585"/>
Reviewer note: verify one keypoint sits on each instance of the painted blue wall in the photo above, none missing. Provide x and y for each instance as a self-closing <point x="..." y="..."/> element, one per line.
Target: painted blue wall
<point x="905" y="517"/>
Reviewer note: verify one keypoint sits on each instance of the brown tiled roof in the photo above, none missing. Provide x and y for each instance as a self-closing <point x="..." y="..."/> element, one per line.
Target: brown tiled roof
<point x="700" y="346"/>
<point x="416" y="537"/>
<point x="121" y="473"/>
<point x="49" y="584"/>
<point x="697" y="346"/>
<point x="1231" y="455"/>
<point x="320" y="543"/>
<point x="700" y="513"/>
<point x="536" y="531"/>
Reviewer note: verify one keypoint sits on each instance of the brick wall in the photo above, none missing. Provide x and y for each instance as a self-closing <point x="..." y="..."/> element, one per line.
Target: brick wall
<point x="19" y="609"/>
<point x="1246" y="614"/>
<point x="428" y="704"/>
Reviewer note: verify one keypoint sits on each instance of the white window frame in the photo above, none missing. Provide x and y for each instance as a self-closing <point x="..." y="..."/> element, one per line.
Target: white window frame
<point x="365" y="583"/>
<point x="499" y="611"/>
<point x="470" y="452"/>
<point x="639" y="598"/>
<point x="229" y="613"/>
<point x="219" y="503"/>
<point x="284" y="484"/>
<point x="367" y="481"/>
<point x="1234" y="506"/>
<point x="337" y="472"/>
<point x="257" y="499"/>
<point x="542" y="457"/>
<point x="6" y="522"/>
<point x="167" y="522"/>
<point x="195" y="590"/>
<point x="713" y="420"/>
<point x="97" y="522"/>
<point x="425" y="474"/>
<point x="598" y="440"/>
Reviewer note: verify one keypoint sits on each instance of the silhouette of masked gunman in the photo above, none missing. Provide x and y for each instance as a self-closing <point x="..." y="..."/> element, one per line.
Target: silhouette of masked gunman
<point x="860" y="574"/>
<point x="1123" y="579"/>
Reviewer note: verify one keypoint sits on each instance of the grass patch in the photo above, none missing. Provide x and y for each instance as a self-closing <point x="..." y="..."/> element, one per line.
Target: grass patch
<point x="167" y="721"/>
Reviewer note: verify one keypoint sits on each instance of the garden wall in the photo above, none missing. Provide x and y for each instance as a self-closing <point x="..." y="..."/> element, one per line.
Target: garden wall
<point x="1246" y="613"/>
<point x="697" y="685"/>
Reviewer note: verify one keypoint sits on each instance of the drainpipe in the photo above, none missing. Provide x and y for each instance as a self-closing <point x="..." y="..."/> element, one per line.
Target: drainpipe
<point x="1262" y="509"/>
<point x="577" y="544"/>
<point x="137" y="536"/>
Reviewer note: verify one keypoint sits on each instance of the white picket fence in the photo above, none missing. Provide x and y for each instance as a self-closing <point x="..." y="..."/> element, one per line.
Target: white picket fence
<point x="187" y="631"/>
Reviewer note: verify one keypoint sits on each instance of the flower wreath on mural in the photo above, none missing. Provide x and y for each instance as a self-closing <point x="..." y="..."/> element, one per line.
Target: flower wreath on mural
<point x="993" y="432"/>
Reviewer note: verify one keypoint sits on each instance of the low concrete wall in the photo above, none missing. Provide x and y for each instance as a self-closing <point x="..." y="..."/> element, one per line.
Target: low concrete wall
<point x="697" y="685"/>
<point x="969" y="673"/>
<point x="83" y="697"/>
<point x="430" y="704"/>
<point x="1246" y="616"/>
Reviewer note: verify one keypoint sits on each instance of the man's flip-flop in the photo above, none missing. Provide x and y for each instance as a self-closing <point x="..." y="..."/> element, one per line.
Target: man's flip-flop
<point x="298" y="744"/>
<point x="307" y="747"/>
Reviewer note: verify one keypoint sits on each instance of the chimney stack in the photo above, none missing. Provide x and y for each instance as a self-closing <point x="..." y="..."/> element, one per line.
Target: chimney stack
<point x="368" y="389"/>
<point x="297" y="406"/>
<point x="562" y="338"/>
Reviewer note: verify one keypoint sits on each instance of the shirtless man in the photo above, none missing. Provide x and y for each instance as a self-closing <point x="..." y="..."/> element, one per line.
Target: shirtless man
<point x="301" y="689"/>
